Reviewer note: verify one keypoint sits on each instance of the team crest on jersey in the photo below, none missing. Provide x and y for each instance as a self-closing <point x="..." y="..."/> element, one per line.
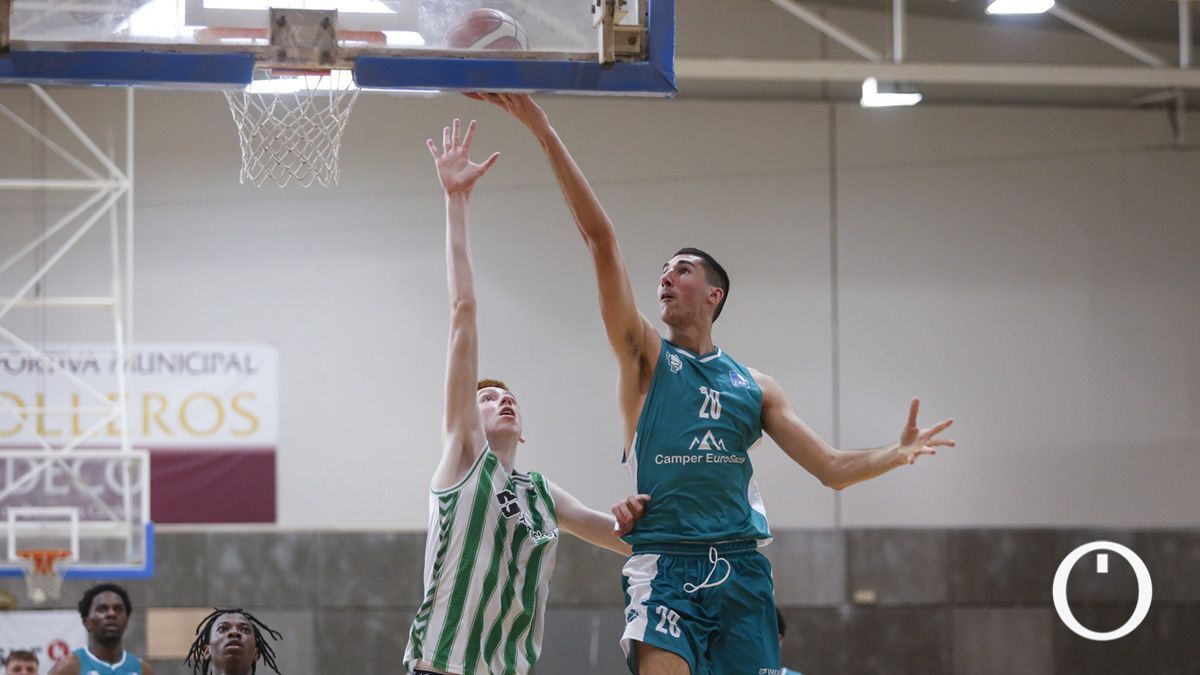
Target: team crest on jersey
<point x="508" y="503"/>
<point x="674" y="362"/>
<point x="737" y="380"/>
<point x="631" y="615"/>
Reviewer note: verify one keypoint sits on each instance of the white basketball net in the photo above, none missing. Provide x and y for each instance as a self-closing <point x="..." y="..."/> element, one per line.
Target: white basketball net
<point x="290" y="127"/>
<point x="43" y="586"/>
<point x="44" y="578"/>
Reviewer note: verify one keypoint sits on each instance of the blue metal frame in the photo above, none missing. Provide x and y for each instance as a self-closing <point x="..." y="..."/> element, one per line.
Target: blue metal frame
<point x="653" y="77"/>
<point x="122" y="68"/>
<point x="145" y="572"/>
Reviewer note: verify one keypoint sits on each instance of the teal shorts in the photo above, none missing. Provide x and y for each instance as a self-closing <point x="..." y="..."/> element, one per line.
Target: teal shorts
<point x="714" y="606"/>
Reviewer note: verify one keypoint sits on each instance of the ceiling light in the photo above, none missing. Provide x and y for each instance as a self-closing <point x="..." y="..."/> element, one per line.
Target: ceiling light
<point x="1019" y="6"/>
<point x="888" y="94"/>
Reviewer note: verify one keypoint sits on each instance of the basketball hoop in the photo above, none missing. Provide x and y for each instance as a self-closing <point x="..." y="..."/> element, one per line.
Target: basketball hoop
<point x="290" y="125"/>
<point x="291" y="117"/>
<point x="44" y="571"/>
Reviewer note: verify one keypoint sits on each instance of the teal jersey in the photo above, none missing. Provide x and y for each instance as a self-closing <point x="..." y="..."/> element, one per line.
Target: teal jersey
<point x="691" y="452"/>
<point x="90" y="665"/>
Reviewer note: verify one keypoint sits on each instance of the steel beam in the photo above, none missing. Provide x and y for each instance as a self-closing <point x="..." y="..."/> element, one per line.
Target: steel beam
<point x="820" y="23"/>
<point x="1107" y="36"/>
<point x="782" y="71"/>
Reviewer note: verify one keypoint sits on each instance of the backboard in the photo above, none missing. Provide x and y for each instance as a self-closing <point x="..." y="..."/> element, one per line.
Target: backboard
<point x="93" y="503"/>
<point x="617" y="47"/>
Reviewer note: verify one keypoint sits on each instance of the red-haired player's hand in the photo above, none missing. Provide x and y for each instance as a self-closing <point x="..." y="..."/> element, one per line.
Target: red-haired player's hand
<point x="456" y="172"/>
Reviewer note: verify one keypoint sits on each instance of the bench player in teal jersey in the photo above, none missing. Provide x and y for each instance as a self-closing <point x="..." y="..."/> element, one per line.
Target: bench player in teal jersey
<point x="700" y="597"/>
<point x="105" y="610"/>
<point x="493" y="530"/>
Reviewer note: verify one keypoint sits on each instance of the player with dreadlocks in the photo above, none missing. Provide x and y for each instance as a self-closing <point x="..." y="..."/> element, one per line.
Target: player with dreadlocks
<point x="223" y="644"/>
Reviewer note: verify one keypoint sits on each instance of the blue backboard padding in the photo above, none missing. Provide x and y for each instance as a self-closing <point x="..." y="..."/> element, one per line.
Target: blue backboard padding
<point x="505" y="74"/>
<point x="145" y="572"/>
<point x="127" y="67"/>
<point x="660" y="31"/>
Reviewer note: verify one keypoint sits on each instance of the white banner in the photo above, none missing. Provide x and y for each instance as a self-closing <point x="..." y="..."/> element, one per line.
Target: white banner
<point x="179" y="396"/>
<point x="50" y="635"/>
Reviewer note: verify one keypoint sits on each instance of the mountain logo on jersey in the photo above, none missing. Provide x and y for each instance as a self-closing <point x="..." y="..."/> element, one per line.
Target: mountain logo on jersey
<point x="709" y="442"/>
<point x="674" y="362"/>
<point x="737" y="380"/>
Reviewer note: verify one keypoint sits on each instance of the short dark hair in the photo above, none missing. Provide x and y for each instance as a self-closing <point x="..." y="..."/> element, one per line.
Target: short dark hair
<point x="714" y="274"/>
<point x="779" y="620"/>
<point x="20" y="655"/>
<point x="85" y="604"/>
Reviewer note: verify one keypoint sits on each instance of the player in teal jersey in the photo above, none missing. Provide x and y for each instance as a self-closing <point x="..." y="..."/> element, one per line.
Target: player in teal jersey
<point x="493" y="530"/>
<point x="700" y="597"/>
<point x="105" y="610"/>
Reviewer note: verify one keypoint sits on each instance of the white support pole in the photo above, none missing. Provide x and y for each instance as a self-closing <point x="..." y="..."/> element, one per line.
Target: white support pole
<point x="76" y="441"/>
<point x="898" y="31"/>
<point x="817" y="21"/>
<point x="114" y="236"/>
<point x="128" y="287"/>
<point x="50" y="364"/>
<point x="1107" y="36"/>
<point x="62" y="222"/>
<point x="62" y="250"/>
<point x="54" y="147"/>
<point x="65" y="185"/>
<point x="83" y="138"/>
<point x="22" y="422"/>
<point x="1185" y="33"/>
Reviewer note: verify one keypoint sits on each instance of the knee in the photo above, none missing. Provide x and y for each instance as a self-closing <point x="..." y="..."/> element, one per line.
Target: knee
<point x="655" y="661"/>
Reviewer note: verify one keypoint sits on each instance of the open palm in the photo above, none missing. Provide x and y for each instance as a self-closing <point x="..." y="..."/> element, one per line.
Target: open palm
<point x="456" y="172"/>
<point x="915" y="442"/>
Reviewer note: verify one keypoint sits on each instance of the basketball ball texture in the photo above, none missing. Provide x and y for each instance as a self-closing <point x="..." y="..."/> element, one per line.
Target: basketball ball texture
<point x="486" y="29"/>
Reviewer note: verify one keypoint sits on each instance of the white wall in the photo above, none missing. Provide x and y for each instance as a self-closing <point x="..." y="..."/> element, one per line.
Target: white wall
<point x="1032" y="272"/>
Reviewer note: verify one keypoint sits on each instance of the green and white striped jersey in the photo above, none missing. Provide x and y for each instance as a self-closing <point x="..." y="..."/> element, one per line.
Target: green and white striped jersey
<point x="488" y="559"/>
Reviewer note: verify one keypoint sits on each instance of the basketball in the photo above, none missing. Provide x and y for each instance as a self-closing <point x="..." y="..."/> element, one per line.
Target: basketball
<point x="486" y="29"/>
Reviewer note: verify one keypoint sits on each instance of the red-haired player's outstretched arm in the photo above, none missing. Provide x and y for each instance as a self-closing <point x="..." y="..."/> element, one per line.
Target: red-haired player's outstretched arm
<point x="462" y="431"/>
